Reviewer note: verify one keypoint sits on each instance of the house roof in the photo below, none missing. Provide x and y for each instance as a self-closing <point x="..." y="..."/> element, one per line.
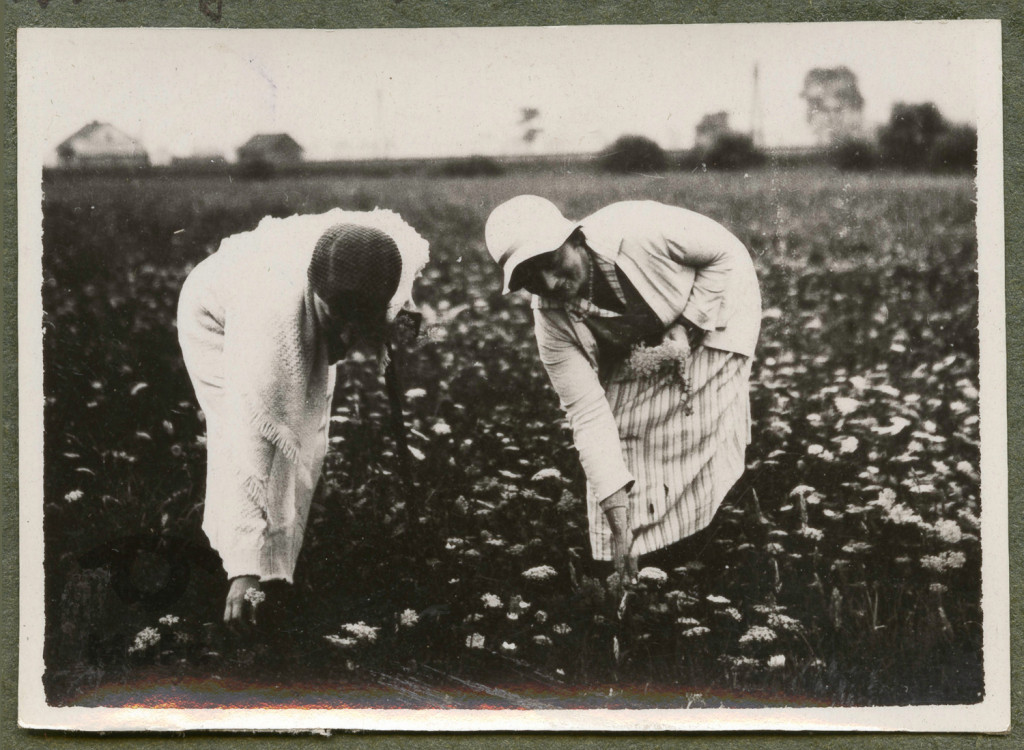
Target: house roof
<point x="101" y="138"/>
<point x="264" y="141"/>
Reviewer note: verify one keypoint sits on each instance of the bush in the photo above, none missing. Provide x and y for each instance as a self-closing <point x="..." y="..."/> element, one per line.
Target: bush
<point x="257" y="169"/>
<point x="907" y="140"/>
<point x="471" y="166"/>
<point x="632" y="154"/>
<point x="734" y="151"/>
<point x="854" y="155"/>
<point x="956" y="150"/>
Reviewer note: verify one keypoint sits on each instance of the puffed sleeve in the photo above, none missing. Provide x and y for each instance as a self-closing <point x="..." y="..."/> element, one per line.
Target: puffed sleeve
<point x="711" y="250"/>
<point x="595" y="433"/>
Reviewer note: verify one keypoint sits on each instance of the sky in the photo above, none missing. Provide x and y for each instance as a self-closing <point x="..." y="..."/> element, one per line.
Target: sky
<point x="369" y="93"/>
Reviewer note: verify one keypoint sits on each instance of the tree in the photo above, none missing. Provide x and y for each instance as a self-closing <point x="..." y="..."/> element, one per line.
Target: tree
<point x="834" y="104"/>
<point x="854" y="155"/>
<point x="733" y="151"/>
<point x="956" y="150"/>
<point x="528" y="124"/>
<point x="632" y="153"/>
<point x="909" y="138"/>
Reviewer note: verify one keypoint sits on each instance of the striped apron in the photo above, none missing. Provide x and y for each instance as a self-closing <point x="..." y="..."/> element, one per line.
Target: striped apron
<point x="684" y="460"/>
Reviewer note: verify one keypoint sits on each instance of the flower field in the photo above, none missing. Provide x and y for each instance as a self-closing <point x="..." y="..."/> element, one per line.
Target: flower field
<point x="844" y="569"/>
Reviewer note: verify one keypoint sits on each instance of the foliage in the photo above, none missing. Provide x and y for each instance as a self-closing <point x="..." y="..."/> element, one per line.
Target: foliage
<point x="908" y="139"/>
<point x="633" y="154"/>
<point x="733" y="151"/>
<point x="471" y="166"/>
<point x="854" y="155"/>
<point x="956" y="150"/>
<point x="845" y="568"/>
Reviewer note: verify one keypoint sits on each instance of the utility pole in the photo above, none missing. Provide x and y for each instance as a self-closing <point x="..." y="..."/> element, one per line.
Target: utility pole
<point x="756" y="113"/>
<point x="382" y="136"/>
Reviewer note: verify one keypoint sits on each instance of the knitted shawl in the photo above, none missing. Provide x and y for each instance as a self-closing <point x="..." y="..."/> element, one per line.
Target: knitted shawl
<point x="275" y="367"/>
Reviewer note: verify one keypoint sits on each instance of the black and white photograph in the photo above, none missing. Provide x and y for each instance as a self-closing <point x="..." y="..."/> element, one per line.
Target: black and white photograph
<point x="538" y="378"/>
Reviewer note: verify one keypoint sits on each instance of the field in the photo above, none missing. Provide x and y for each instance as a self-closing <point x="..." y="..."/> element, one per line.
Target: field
<point x="844" y="570"/>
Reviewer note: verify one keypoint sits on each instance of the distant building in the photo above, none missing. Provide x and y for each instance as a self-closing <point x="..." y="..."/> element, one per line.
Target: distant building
<point x="101" y="144"/>
<point x="835" y="107"/>
<point x="710" y="129"/>
<point x="270" y="149"/>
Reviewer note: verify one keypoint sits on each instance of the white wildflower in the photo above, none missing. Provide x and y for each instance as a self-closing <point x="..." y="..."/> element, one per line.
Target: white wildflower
<point x="897" y="426"/>
<point x="74" y="496"/>
<point x="758" y="634"/>
<point x="732" y="613"/>
<point x="969" y="518"/>
<point x="901" y="514"/>
<point x="943" y="561"/>
<point x="546" y="474"/>
<point x="408" y="618"/>
<point x="144" y="639"/>
<point x="414" y="393"/>
<point x="948" y="531"/>
<point x="848" y="444"/>
<point x="474" y="641"/>
<point x="562" y="629"/>
<point x="715" y="599"/>
<point x="696" y="632"/>
<point x="337" y="640"/>
<point x="508" y="648"/>
<point x="542" y="640"/>
<point x="966" y="467"/>
<point x="645" y="361"/>
<point x="652" y="575"/>
<point x="540" y="616"/>
<point x="856" y="548"/>
<point x="811" y="533"/>
<point x="780" y="621"/>
<point x="491" y="601"/>
<point x="454" y="542"/>
<point x="361" y="631"/>
<point x="967" y="389"/>
<point x="540" y="573"/>
<point x="254" y="596"/>
<point x="440" y="427"/>
<point x="847" y="405"/>
<point x="778" y="661"/>
<point x="169" y="620"/>
<point x="886" y="499"/>
<point x="687" y="622"/>
<point x="815" y="450"/>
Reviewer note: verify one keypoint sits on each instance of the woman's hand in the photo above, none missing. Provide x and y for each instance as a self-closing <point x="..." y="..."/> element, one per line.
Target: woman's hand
<point x="239" y="609"/>
<point x="676" y="334"/>
<point x="616" y="510"/>
<point x="685" y="334"/>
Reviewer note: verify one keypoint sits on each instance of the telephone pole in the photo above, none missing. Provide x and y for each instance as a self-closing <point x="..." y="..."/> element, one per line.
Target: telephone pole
<point x="756" y="112"/>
